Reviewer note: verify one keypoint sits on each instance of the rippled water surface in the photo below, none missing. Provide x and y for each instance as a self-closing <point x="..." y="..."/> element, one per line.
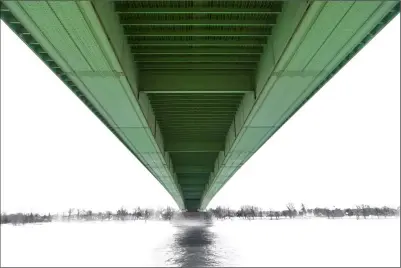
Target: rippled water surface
<point x="311" y="242"/>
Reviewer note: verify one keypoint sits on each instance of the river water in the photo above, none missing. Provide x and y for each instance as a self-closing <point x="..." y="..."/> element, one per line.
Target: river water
<point x="301" y="242"/>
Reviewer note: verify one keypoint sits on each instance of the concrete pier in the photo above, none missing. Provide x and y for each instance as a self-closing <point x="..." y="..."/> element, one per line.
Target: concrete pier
<point x="195" y="215"/>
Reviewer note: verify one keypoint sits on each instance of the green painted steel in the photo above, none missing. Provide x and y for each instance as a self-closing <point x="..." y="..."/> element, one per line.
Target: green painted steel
<point x="316" y="41"/>
<point x="195" y="88"/>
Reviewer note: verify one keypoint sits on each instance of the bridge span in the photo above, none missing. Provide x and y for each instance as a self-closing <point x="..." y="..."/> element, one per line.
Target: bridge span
<point x="194" y="88"/>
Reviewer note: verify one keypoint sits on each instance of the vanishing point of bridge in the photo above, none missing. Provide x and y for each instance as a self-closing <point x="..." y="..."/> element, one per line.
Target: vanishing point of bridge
<point x="194" y="88"/>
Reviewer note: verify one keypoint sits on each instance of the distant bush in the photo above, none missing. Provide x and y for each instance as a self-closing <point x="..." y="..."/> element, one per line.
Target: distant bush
<point x="20" y="218"/>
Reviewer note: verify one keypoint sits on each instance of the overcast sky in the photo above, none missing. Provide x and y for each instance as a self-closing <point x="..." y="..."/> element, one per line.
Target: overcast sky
<point x="342" y="148"/>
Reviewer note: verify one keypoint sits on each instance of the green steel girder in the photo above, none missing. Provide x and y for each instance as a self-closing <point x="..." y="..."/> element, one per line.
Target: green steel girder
<point x="181" y="104"/>
<point x="197" y="178"/>
<point x="326" y="36"/>
<point x="244" y="19"/>
<point x="202" y="131"/>
<point x="191" y="203"/>
<point x="198" y="7"/>
<point x="189" y="158"/>
<point x="200" y="75"/>
<point x="214" y="99"/>
<point x="192" y="194"/>
<point x="189" y="129"/>
<point x="192" y="82"/>
<point x="269" y="21"/>
<point x="145" y="50"/>
<point x="197" y="40"/>
<point x="189" y="31"/>
<point x="195" y="91"/>
<point x="195" y="181"/>
<point x="178" y="121"/>
<point x="197" y="66"/>
<point x="205" y="107"/>
<point x="196" y="11"/>
<point x="193" y="189"/>
<point x="186" y="72"/>
<point x="194" y="169"/>
<point x="196" y="110"/>
<point x="65" y="48"/>
<point x="197" y="58"/>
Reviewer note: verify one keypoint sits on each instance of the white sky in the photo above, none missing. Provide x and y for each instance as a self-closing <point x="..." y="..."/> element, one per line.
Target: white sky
<point x="342" y="148"/>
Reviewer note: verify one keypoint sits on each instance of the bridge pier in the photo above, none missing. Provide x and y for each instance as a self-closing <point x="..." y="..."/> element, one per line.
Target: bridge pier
<point x="198" y="215"/>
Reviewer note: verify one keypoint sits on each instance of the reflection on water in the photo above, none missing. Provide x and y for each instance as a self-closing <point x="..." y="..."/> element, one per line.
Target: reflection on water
<point x="270" y="243"/>
<point x="193" y="247"/>
<point x="226" y="243"/>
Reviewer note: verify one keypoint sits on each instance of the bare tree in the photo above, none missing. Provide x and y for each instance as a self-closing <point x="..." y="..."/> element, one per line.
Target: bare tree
<point x="385" y="211"/>
<point x="349" y="212"/>
<point x="146" y="214"/>
<point x="303" y="209"/>
<point x="70" y="211"/>
<point x="89" y="215"/>
<point x="253" y="211"/>
<point x="271" y="214"/>
<point x="108" y="215"/>
<point x="291" y="210"/>
<point x="328" y="213"/>
<point x="358" y="212"/>
<point x="377" y="212"/>
<point x="122" y="213"/>
<point x="168" y="213"/>
<point x="277" y="215"/>
<point x="365" y="210"/>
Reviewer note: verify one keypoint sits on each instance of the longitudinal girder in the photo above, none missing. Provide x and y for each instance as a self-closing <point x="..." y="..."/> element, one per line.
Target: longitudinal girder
<point x="196" y="59"/>
<point x="194" y="88"/>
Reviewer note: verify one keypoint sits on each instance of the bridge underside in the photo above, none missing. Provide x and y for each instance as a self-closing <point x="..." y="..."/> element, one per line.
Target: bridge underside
<point x="196" y="60"/>
<point x="194" y="88"/>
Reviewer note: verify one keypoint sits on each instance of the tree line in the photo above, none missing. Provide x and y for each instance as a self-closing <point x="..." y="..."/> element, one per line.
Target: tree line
<point x="20" y="218"/>
<point x="71" y="214"/>
<point x="252" y="212"/>
<point x="246" y="212"/>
